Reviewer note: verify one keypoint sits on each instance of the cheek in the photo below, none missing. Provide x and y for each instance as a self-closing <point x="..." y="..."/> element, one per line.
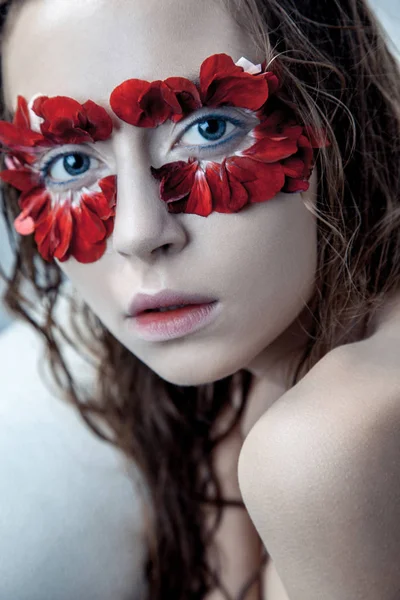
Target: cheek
<point x="270" y="248"/>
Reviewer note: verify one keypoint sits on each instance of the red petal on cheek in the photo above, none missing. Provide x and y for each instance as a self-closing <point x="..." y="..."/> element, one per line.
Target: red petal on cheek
<point x="24" y="224"/>
<point x="177" y="179"/>
<point x="88" y="225"/>
<point x="64" y="224"/>
<point x="294" y="167"/>
<point x="200" y="199"/>
<point x="228" y="193"/>
<point x="35" y="202"/>
<point x="97" y="203"/>
<point x="22" y="179"/>
<point x="296" y="185"/>
<point x="268" y="150"/>
<point x="108" y="186"/>
<point x="270" y="181"/>
<point x="46" y="235"/>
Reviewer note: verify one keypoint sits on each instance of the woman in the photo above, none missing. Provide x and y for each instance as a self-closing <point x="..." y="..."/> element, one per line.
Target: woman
<point x="256" y="150"/>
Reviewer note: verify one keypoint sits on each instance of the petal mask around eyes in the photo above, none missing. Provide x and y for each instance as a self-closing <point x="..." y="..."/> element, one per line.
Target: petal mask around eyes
<point x="77" y="224"/>
<point x="64" y="223"/>
<point x="281" y="158"/>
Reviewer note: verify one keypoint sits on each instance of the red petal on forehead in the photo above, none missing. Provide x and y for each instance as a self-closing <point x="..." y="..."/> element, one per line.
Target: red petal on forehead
<point x="200" y="198"/>
<point x="15" y="137"/>
<point x="57" y="108"/>
<point x="68" y="121"/>
<point x="216" y="66"/>
<point x="21" y="117"/>
<point x="186" y="94"/>
<point x="159" y="103"/>
<point x="100" y="124"/>
<point x="222" y="82"/>
<point x="124" y="100"/>
<point x="144" y="104"/>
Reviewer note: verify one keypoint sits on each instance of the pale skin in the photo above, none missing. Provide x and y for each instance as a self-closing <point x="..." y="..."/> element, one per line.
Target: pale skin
<point x="318" y="469"/>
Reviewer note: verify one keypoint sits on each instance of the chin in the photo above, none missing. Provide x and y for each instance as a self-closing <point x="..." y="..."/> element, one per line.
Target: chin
<point x="195" y="376"/>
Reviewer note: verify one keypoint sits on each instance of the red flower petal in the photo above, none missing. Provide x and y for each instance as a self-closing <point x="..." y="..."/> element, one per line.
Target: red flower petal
<point x="144" y="104"/>
<point x="88" y="224"/>
<point x="23" y="179"/>
<point x="295" y="185"/>
<point x="64" y="224"/>
<point x="99" y="123"/>
<point x="273" y="82"/>
<point x="68" y="121"/>
<point x="222" y="82"/>
<point x="186" y="94"/>
<point x="35" y="202"/>
<point x="24" y="224"/>
<point x="200" y="198"/>
<point x="108" y="186"/>
<point x="124" y="101"/>
<point x="177" y="179"/>
<point x="228" y="193"/>
<point x="270" y="150"/>
<point x="21" y="116"/>
<point x="17" y="137"/>
<point x="268" y="179"/>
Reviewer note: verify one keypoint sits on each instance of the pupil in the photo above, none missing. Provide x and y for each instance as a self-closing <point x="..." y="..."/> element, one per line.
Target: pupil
<point x="76" y="164"/>
<point x="212" y="129"/>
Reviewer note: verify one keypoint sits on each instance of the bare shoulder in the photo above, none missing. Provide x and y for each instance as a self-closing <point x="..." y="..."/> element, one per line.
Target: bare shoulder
<point x="70" y="523"/>
<point x="320" y="473"/>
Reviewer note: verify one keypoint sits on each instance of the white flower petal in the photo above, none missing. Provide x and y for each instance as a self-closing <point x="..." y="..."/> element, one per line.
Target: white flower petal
<point x="248" y="66"/>
<point x="35" y="121"/>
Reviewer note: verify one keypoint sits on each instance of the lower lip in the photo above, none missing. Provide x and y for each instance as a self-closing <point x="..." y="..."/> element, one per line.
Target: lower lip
<point x="168" y="325"/>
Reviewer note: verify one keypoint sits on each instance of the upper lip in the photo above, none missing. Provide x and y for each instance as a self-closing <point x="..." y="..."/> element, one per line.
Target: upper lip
<point x="163" y="299"/>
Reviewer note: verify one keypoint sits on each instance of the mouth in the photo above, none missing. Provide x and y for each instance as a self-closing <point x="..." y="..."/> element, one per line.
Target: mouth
<point x="166" y="323"/>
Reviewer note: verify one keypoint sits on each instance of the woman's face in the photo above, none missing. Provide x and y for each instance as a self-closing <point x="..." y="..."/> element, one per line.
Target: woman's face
<point x="259" y="263"/>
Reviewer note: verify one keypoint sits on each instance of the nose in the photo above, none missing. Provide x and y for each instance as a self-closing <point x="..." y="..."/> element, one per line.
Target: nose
<point x="142" y="226"/>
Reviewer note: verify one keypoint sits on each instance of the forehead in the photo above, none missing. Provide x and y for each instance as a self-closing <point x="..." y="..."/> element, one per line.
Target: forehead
<point x="84" y="48"/>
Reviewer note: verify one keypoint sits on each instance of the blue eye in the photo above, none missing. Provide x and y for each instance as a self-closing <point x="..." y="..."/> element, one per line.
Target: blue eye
<point x="212" y="128"/>
<point x="76" y="164"/>
<point x="68" y="166"/>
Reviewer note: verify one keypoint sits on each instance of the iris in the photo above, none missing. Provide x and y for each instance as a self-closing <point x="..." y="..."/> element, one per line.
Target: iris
<point x="212" y="129"/>
<point x="76" y="164"/>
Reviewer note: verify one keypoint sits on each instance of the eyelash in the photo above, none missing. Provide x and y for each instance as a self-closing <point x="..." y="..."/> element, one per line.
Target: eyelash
<point x="44" y="168"/>
<point x="210" y="117"/>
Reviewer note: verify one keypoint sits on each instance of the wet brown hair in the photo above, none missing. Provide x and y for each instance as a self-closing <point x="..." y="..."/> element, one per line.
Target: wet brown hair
<point x="337" y="68"/>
